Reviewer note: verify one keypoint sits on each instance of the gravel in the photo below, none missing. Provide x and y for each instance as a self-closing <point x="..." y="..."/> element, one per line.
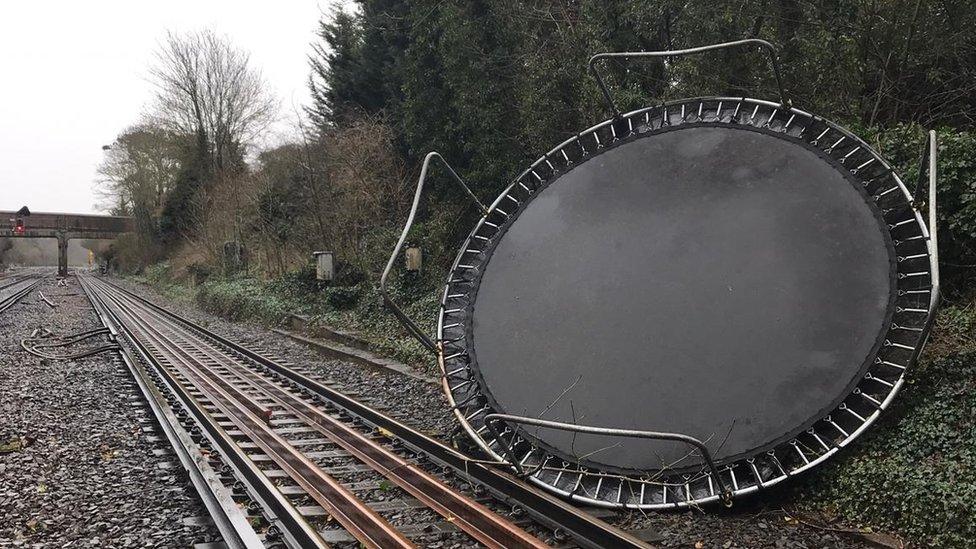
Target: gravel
<point x="752" y="523"/>
<point x="78" y="463"/>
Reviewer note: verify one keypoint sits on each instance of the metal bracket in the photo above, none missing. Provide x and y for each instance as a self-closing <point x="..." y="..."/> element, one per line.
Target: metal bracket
<point x="784" y="100"/>
<point x="408" y="322"/>
<point x="491" y="420"/>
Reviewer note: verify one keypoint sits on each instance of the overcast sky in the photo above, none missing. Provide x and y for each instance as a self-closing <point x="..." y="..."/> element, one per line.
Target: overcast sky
<point x="74" y="74"/>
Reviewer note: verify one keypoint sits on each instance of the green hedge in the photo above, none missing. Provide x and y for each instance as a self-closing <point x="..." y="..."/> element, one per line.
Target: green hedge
<point x="916" y="472"/>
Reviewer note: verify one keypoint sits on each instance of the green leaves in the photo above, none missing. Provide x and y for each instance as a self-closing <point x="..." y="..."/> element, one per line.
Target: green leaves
<point x="915" y="473"/>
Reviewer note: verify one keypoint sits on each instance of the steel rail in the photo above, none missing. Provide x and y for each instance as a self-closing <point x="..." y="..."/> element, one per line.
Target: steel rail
<point x="290" y="522"/>
<point x="584" y="528"/>
<point x="15" y="297"/>
<point x="234" y="528"/>
<point x="366" y="525"/>
<point x="471" y="517"/>
<point x="14" y="280"/>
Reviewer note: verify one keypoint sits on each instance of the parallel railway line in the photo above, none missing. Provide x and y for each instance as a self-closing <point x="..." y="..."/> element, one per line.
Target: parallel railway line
<point x="15" y="288"/>
<point x="322" y="467"/>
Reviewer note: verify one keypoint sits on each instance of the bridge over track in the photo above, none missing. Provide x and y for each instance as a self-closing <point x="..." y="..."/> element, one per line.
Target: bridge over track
<point x="64" y="227"/>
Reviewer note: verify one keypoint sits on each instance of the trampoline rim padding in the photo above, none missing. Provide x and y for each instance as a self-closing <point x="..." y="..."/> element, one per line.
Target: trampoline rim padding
<point x="871" y="391"/>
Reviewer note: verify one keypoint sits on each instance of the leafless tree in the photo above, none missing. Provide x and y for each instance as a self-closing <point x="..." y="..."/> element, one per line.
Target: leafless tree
<point x="138" y="169"/>
<point x="207" y="88"/>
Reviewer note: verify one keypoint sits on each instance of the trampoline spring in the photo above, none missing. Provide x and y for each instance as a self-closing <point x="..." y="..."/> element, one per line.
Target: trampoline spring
<point x="551" y="167"/>
<point x="816" y="141"/>
<point x="539" y="179"/>
<point x="476" y="413"/>
<point x="813" y="433"/>
<point x="755" y="471"/>
<point x="799" y="451"/>
<point x="893" y="189"/>
<point x="771" y="117"/>
<point x="682" y="112"/>
<point x="596" y="137"/>
<point x="788" y="122"/>
<point x="829" y="420"/>
<point x="735" y="114"/>
<point x="613" y="133"/>
<point x="899" y="345"/>
<point x="735" y="481"/>
<point x="718" y="112"/>
<point x="579" y="482"/>
<point x="848" y="155"/>
<point x="892" y="364"/>
<point x="916" y="256"/>
<point x="701" y="105"/>
<point x="630" y="125"/>
<point x="884" y="382"/>
<point x="579" y="141"/>
<point x="863" y="165"/>
<point x="462" y="384"/>
<point x="754" y="112"/>
<point x="562" y="152"/>
<point x="910" y="292"/>
<point x="911" y="309"/>
<point x="559" y="476"/>
<point x="831" y="148"/>
<point x="643" y="489"/>
<point x="503" y="212"/>
<point x="772" y="456"/>
<point x="870" y="398"/>
<point x="843" y="406"/>
<point x="513" y="199"/>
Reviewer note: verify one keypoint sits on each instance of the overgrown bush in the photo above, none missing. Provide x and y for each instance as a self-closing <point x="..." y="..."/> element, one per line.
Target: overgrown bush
<point x="916" y="473"/>
<point x="902" y="145"/>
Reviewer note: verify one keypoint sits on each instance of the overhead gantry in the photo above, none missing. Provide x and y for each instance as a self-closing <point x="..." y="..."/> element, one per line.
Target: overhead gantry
<point x="63" y="227"/>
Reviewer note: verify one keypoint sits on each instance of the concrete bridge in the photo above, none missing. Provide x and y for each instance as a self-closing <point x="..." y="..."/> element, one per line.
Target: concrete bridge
<point x="63" y="227"/>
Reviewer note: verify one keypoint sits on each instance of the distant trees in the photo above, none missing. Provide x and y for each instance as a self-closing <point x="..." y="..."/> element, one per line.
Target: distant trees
<point x="138" y="170"/>
<point x="207" y="88"/>
<point x="208" y="93"/>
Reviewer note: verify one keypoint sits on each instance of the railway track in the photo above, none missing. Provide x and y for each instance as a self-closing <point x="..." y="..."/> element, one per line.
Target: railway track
<point x="12" y="291"/>
<point x="312" y="466"/>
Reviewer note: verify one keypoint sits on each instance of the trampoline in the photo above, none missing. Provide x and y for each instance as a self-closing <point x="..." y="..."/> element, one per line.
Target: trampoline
<point x="684" y="303"/>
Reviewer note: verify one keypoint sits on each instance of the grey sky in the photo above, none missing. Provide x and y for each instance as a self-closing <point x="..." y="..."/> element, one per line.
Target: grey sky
<point x="74" y="74"/>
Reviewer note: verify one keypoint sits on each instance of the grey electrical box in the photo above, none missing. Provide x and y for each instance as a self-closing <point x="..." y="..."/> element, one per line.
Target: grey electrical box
<point x="324" y="266"/>
<point x="235" y="259"/>
<point x="414" y="259"/>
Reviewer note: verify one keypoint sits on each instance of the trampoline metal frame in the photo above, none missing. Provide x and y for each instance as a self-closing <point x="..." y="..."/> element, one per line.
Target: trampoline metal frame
<point x="860" y="408"/>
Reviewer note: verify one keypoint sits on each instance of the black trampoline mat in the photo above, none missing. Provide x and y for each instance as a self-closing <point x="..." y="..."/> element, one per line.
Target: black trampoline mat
<point x="718" y="281"/>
